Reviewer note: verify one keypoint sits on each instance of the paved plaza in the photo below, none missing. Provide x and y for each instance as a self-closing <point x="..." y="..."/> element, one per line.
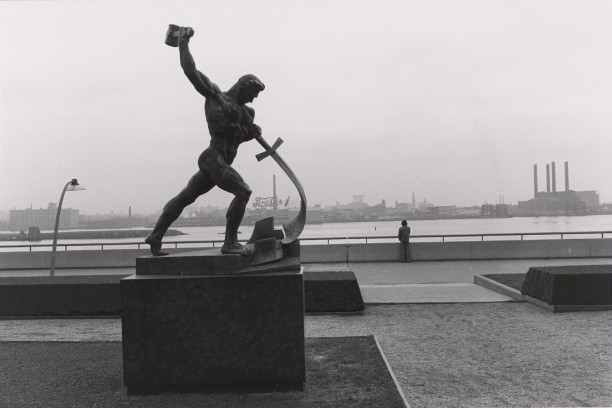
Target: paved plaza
<point x="450" y="343"/>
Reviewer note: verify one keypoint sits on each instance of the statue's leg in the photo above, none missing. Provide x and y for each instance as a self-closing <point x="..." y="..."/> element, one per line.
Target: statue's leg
<point x="233" y="183"/>
<point x="235" y="213"/>
<point x="228" y="179"/>
<point x="199" y="184"/>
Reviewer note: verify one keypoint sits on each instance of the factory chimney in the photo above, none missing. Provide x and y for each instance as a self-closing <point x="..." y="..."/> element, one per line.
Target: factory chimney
<point x="554" y="179"/>
<point x="548" y="178"/>
<point x="274" y="198"/>
<point x="566" y="176"/>
<point x="535" y="180"/>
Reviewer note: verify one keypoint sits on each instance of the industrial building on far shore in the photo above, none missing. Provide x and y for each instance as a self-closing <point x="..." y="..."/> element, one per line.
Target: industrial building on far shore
<point x="44" y="218"/>
<point x="553" y="202"/>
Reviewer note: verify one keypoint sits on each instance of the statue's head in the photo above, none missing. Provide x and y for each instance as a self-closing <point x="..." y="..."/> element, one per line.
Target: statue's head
<point x="247" y="88"/>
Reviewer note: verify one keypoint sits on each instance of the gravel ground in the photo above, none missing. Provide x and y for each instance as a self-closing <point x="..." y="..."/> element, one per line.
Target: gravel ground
<point x="488" y="355"/>
<point x="447" y="355"/>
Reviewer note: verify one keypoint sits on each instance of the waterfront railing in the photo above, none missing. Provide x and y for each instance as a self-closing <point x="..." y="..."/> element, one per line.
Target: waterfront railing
<point x="322" y="240"/>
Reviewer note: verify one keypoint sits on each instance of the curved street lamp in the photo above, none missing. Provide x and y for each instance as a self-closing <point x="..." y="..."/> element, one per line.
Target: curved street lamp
<point x="72" y="185"/>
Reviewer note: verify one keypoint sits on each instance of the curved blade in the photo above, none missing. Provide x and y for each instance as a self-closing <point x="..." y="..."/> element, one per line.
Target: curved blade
<point x="293" y="228"/>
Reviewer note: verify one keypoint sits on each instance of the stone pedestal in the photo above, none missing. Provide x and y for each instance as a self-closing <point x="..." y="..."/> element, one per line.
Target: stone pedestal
<point x="213" y="332"/>
<point x="570" y="287"/>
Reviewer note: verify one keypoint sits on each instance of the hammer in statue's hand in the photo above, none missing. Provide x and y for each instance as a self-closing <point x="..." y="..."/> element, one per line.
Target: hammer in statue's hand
<point x="175" y="33"/>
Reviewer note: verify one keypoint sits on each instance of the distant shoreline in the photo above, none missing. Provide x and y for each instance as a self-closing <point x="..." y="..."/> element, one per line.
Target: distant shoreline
<point x="94" y="234"/>
<point x="142" y="233"/>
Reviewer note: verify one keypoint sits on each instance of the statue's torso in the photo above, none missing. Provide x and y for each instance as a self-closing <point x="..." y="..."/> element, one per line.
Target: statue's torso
<point x="228" y="124"/>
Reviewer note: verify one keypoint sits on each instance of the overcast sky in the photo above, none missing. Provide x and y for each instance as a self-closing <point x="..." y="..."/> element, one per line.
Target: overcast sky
<point x="454" y="100"/>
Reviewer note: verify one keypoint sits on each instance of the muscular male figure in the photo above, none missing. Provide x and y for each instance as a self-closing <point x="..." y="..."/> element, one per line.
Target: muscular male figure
<point x="230" y="123"/>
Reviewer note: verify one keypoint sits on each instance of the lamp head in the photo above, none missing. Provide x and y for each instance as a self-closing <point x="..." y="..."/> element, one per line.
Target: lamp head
<point x="74" y="186"/>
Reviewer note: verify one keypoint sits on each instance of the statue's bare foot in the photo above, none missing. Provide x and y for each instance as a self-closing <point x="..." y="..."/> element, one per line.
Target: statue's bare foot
<point x="235" y="248"/>
<point x="155" y="245"/>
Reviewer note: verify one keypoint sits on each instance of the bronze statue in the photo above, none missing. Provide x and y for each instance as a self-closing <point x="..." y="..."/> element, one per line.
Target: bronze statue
<point x="230" y="123"/>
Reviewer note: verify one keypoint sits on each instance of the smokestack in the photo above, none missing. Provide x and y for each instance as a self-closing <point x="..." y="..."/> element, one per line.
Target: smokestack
<point x="548" y="178"/>
<point x="566" y="176"/>
<point x="274" y="200"/>
<point x="554" y="180"/>
<point x="535" y="180"/>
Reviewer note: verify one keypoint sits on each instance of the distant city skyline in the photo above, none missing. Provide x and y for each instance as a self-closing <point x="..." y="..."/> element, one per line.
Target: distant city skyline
<point x="292" y="204"/>
<point x="545" y="182"/>
<point x="455" y="101"/>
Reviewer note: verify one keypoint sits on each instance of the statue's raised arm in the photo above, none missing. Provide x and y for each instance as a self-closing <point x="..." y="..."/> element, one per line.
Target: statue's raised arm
<point x="200" y="81"/>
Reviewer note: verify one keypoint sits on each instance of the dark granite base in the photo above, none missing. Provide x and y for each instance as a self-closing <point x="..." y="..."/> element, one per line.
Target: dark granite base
<point x="213" y="262"/>
<point x="216" y="388"/>
<point x="570" y="285"/>
<point x="213" y="331"/>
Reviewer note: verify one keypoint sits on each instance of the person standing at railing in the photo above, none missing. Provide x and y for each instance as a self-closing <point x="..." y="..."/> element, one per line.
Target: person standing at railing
<point x="404" y="237"/>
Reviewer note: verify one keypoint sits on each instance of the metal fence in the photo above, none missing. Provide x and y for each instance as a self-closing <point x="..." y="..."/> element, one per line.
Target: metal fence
<point x="323" y="240"/>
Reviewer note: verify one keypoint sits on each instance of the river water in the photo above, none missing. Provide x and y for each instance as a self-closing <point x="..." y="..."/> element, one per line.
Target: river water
<point x="389" y="228"/>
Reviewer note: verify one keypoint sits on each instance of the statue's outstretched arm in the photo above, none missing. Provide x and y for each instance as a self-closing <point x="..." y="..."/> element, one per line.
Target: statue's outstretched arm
<point x="200" y="81"/>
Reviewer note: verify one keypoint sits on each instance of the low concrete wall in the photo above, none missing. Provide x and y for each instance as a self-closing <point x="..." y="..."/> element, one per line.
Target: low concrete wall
<point x="383" y="252"/>
<point x="471" y="250"/>
<point x="61" y="296"/>
<point x="113" y="258"/>
<point x="532" y="249"/>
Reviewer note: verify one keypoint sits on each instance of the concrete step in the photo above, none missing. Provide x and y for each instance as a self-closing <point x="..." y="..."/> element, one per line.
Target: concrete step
<point x="429" y="293"/>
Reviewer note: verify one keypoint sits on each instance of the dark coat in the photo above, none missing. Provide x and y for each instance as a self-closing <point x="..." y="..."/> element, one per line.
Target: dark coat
<point x="404" y="234"/>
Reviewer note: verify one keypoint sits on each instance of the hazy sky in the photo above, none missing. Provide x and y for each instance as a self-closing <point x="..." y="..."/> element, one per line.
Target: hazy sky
<point x="454" y="100"/>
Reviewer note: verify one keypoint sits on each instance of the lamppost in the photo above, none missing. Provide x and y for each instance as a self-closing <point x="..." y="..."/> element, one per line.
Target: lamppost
<point x="72" y="185"/>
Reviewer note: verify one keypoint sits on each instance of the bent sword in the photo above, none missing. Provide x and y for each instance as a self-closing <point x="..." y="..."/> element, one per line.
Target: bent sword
<point x="293" y="228"/>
